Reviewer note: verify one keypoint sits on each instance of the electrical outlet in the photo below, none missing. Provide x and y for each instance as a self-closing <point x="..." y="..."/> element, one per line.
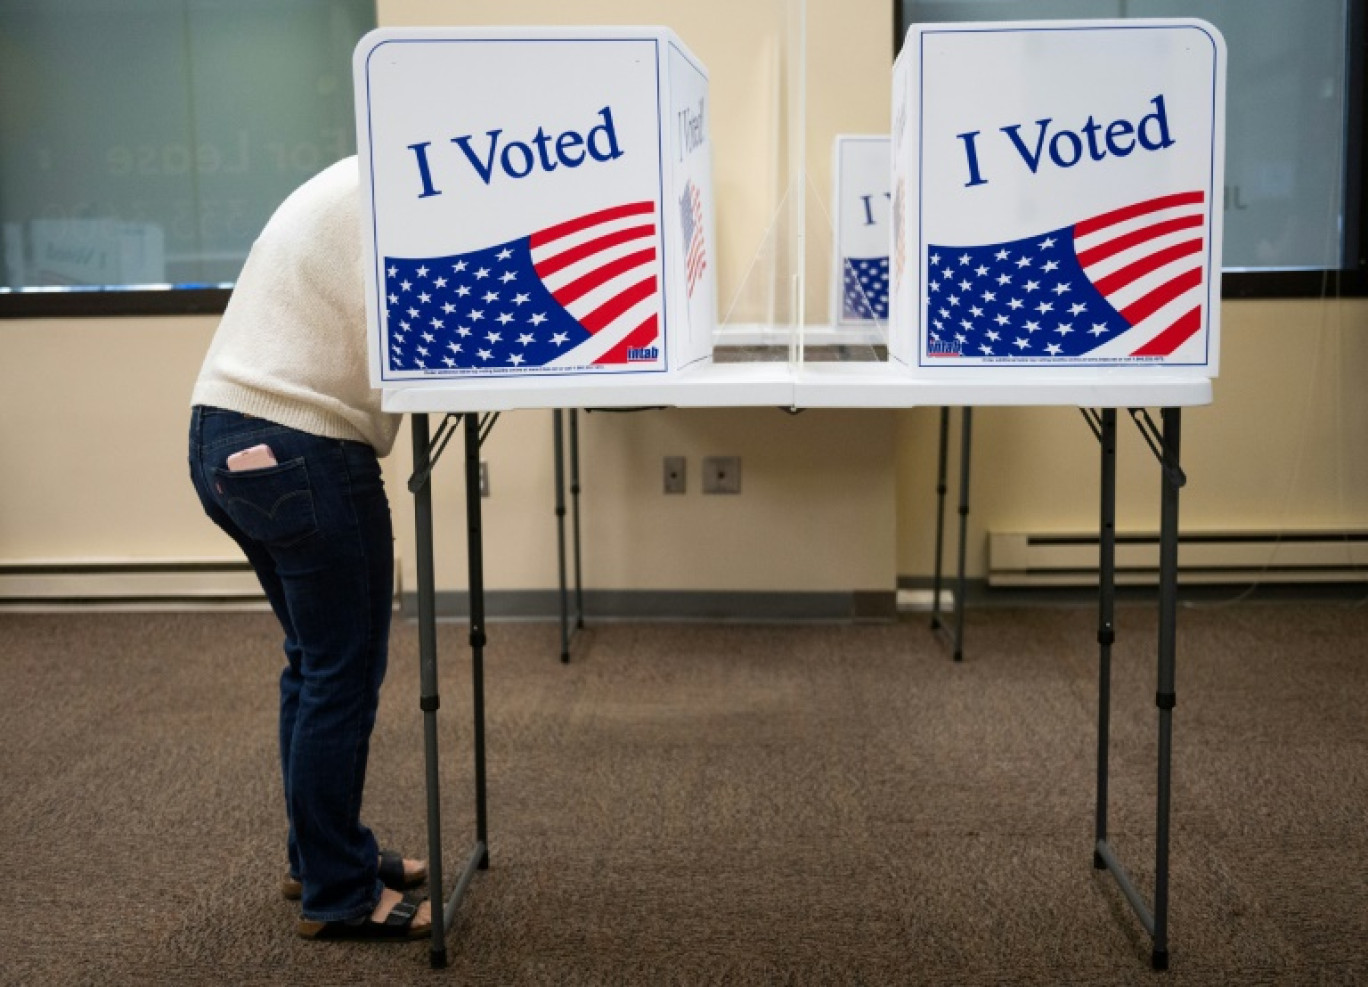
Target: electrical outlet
<point x="676" y="474"/>
<point x="722" y="474"/>
<point x="484" y="478"/>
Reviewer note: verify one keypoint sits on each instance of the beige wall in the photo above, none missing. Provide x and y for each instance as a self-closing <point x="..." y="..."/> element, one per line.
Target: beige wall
<point x="1284" y="446"/>
<point x="93" y="412"/>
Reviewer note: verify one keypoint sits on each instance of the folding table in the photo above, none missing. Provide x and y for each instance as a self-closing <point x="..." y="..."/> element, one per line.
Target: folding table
<point x="474" y="405"/>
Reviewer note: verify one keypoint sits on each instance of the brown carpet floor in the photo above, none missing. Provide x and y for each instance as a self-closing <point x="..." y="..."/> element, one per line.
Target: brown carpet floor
<point x="708" y="804"/>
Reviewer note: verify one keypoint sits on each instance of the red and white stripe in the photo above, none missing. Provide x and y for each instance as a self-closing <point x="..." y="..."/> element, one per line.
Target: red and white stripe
<point x="696" y="261"/>
<point x="602" y="269"/>
<point x="1148" y="261"/>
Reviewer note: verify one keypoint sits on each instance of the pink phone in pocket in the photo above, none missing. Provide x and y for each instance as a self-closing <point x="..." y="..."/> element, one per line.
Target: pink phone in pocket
<point x="256" y="458"/>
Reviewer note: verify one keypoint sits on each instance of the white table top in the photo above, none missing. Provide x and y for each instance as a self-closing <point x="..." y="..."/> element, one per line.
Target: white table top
<point x="811" y="385"/>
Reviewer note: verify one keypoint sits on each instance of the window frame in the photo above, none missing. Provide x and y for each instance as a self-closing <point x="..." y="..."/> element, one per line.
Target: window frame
<point x="42" y="303"/>
<point x="1349" y="281"/>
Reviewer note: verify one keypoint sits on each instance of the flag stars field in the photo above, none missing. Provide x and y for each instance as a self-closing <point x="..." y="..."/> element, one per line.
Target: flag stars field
<point x="865" y="288"/>
<point x="1135" y="271"/>
<point x="582" y="292"/>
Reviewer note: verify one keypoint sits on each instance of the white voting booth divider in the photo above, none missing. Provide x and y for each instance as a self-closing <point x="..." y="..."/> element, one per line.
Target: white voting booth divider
<point x="861" y="169"/>
<point x="1067" y="175"/>
<point x="1057" y="194"/>
<point x="557" y="227"/>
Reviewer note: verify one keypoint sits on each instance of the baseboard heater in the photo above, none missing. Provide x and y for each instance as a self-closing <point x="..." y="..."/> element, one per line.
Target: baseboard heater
<point x="1238" y="557"/>
<point x="112" y="582"/>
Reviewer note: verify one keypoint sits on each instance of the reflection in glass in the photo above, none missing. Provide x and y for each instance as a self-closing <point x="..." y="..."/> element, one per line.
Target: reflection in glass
<point x="1286" y="114"/>
<point x="144" y="143"/>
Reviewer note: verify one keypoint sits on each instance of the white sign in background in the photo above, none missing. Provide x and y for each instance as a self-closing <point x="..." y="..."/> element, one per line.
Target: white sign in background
<point x="862" y="176"/>
<point x="533" y="177"/>
<point x="1059" y="192"/>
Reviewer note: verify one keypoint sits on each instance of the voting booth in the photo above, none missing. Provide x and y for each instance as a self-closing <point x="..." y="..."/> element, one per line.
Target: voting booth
<point x="1057" y="195"/>
<point x="537" y="210"/>
<point x="538" y="202"/>
<point x="861" y="167"/>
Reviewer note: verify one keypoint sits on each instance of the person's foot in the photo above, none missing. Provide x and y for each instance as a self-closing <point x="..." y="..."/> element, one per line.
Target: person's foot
<point x="422" y="919"/>
<point x="400" y="873"/>
<point x="394" y="919"/>
<point x="395" y="872"/>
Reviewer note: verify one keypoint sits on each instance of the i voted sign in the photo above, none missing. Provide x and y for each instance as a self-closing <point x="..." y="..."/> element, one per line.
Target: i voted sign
<point x="1057" y="193"/>
<point x="861" y="169"/>
<point x="536" y="202"/>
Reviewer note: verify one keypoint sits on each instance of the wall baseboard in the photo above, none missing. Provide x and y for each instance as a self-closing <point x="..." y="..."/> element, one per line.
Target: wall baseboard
<point x="1226" y="557"/>
<point x="126" y="582"/>
<point x="230" y="583"/>
<point x="914" y="594"/>
<point x="670" y="605"/>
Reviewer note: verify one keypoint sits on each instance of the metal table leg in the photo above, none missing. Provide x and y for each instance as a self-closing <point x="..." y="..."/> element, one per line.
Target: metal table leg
<point x="1106" y="628"/>
<point x="940" y="516"/>
<point x="956" y="636"/>
<point x="966" y="442"/>
<point x="575" y="511"/>
<point x="1165" y="697"/>
<point x="427" y="665"/>
<point x="1166" y="447"/>
<point x="558" y="445"/>
<point x="424" y="458"/>
<point x="475" y="559"/>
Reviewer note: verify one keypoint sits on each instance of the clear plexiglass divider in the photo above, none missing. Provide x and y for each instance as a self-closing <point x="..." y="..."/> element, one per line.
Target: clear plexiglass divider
<point x="788" y="303"/>
<point x="1038" y="242"/>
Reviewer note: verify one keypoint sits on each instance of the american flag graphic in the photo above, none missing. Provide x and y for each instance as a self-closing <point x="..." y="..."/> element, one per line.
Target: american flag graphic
<point x="865" y="292"/>
<point x="691" y="223"/>
<point x="1124" y="284"/>
<point x="582" y="293"/>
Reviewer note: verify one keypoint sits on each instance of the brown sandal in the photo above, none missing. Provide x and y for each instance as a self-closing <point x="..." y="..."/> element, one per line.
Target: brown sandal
<point x="399" y="926"/>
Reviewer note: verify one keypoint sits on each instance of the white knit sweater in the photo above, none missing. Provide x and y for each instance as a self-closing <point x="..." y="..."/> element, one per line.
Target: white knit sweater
<point x="291" y="347"/>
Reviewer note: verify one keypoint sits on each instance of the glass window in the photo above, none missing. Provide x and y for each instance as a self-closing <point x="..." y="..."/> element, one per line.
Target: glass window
<point x="1294" y="128"/>
<point x="144" y="143"/>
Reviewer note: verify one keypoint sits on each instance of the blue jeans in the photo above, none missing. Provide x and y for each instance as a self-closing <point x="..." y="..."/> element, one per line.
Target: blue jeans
<point x="316" y="529"/>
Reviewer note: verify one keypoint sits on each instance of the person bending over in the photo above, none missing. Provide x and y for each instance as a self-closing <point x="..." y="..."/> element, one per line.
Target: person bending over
<point x="285" y="435"/>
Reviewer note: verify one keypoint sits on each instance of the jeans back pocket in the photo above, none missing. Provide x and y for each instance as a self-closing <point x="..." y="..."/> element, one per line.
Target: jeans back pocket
<point x="274" y="505"/>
